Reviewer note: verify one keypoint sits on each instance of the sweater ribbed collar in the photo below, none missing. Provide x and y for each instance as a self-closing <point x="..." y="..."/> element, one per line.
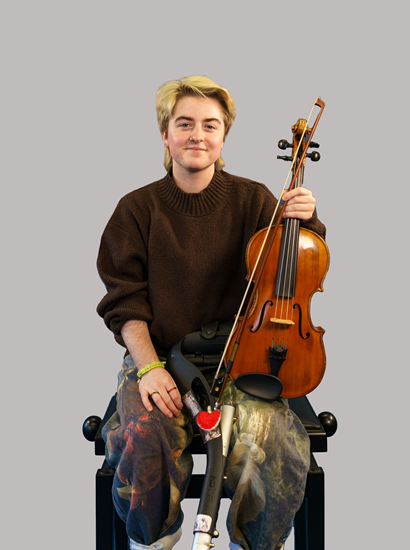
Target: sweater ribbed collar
<point x="195" y="204"/>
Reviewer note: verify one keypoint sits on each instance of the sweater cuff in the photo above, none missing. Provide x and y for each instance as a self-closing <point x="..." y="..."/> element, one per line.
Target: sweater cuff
<point x="315" y="225"/>
<point x="117" y="318"/>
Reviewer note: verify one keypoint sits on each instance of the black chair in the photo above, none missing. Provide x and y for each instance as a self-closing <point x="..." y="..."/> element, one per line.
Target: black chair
<point x="309" y="524"/>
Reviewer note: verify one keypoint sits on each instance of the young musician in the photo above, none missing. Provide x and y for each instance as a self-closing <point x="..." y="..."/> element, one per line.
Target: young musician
<point x="172" y="258"/>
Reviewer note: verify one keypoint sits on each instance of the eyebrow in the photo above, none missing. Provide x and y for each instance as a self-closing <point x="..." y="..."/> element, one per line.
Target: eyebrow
<point x="191" y="119"/>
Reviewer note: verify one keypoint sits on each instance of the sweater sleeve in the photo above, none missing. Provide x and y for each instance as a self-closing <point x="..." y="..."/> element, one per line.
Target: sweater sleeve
<point x="122" y="266"/>
<point x="314" y="224"/>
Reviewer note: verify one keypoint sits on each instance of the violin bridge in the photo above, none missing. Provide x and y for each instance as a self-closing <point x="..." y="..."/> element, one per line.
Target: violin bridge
<point x="277" y="321"/>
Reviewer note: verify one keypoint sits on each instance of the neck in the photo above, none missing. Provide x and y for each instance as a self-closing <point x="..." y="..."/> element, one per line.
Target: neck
<point x="193" y="182"/>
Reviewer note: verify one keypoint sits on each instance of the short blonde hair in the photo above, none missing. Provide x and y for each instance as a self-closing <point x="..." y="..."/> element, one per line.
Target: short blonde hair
<point x="201" y="86"/>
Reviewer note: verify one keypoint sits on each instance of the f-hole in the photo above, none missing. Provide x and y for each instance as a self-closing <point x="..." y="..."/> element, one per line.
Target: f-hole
<point x="297" y="306"/>
<point x="265" y="305"/>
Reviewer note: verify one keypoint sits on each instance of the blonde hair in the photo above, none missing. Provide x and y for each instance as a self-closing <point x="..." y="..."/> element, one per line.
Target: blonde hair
<point x="201" y="86"/>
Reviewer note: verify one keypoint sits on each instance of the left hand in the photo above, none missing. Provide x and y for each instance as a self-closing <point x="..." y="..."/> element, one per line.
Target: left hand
<point x="300" y="203"/>
<point x="159" y="385"/>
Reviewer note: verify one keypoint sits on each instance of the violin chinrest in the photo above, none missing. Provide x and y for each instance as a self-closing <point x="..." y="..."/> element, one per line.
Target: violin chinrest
<point x="259" y="385"/>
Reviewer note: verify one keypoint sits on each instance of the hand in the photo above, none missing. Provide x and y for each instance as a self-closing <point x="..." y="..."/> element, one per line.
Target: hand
<point x="160" y="385"/>
<point x="301" y="203"/>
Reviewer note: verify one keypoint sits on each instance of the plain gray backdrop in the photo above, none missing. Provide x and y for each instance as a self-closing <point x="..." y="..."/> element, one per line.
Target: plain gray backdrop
<point x="78" y="131"/>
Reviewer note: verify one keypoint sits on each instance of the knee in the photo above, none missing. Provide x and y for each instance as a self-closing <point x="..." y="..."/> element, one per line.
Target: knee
<point x="154" y="431"/>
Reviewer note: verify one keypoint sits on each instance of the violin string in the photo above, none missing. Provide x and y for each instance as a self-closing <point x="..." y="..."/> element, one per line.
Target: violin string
<point x="286" y="269"/>
<point x="279" y="203"/>
<point x="290" y="302"/>
<point x="279" y="285"/>
<point x="282" y="282"/>
<point x="286" y="290"/>
<point x="293" y="255"/>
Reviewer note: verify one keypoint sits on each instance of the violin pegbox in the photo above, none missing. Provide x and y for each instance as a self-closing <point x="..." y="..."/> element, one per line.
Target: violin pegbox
<point x="300" y="131"/>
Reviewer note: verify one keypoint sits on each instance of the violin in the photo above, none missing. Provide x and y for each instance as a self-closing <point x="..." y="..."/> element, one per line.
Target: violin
<point x="281" y="352"/>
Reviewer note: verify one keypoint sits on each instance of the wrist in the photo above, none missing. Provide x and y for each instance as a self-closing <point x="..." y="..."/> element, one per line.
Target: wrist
<point x="149" y="367"/>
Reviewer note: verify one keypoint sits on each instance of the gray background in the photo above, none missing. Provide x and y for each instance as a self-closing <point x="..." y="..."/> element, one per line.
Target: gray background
<point x="78" y="131"/>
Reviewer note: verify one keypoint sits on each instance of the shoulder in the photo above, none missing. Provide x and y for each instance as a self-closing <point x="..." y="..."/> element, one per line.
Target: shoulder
<point x="135" y="210"/>
<point x="141" y="195"/>
<point x="246" y="183"/>
<point x="136" y="205"/>
<point x="249" y="189"/>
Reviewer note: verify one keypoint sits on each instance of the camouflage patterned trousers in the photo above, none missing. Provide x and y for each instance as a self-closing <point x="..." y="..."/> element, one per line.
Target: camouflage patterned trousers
<point x="266" y="474"/>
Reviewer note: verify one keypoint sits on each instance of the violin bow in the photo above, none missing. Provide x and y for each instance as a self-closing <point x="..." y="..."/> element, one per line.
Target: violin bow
<point x="265" y="249"/>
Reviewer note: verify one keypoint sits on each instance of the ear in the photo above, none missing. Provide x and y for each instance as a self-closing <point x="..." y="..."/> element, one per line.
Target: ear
<point x="165" y="139"/>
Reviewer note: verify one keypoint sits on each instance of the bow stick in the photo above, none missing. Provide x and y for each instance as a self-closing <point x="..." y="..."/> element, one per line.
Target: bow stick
<point x="268" y="241"/>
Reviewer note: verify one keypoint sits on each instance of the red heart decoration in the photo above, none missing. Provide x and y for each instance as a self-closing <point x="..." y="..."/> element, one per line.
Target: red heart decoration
<point x="207" y="421"/>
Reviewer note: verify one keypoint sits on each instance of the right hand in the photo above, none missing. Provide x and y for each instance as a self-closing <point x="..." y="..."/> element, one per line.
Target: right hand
<point x="160" y="385"/>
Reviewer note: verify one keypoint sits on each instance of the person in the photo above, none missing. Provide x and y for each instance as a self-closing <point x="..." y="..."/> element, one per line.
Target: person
<point x="172" y="258"/>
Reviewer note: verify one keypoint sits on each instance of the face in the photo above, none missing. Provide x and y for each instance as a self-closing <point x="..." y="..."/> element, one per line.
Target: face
<point x="195" y="135"/>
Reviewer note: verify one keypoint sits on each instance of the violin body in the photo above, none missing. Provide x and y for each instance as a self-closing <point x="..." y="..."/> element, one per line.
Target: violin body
<point x="283" y="321"/>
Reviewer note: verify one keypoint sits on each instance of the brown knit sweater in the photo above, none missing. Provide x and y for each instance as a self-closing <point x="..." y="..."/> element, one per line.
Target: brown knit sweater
<point x="176" y="259"/>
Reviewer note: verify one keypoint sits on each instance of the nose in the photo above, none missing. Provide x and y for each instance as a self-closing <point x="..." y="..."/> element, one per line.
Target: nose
<point x="197" y="135"/>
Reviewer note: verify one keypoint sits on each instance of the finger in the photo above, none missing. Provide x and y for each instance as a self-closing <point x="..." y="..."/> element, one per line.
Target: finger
<point x="301" y="199"/>
<point x="298" y="213"/>
<point x="300" y="207"/>
<point x="168" y="409"/>
<point x="169" y="402"/>
<point x="297" y="192"/>
<point x="175" y="396"/>
<point x="145" y="401"/>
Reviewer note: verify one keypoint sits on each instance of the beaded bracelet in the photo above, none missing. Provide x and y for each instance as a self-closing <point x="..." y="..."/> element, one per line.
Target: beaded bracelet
<point x="149" y="367"/>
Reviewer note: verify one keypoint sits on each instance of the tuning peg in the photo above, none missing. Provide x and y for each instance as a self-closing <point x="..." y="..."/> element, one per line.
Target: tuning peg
<point x="284" y="144"/>
<point x="314" y="157"/>
<point x="314" y="145"/>
<point x="284" y="158"/>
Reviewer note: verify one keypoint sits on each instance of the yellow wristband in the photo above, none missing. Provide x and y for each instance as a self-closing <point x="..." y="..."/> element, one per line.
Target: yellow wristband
<point x="149" y="367"/>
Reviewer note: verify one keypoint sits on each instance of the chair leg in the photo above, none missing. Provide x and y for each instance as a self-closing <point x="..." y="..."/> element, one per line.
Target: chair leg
<point x="310" y="520"/>
<point x="111" y="533"/>
<point x="300" y="527"/>
<point x="104" y="508"/>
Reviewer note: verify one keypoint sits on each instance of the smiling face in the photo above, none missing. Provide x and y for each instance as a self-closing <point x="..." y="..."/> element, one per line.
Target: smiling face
<point x="195" y="136"/>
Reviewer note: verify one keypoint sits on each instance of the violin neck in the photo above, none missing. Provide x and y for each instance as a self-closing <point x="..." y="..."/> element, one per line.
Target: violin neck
<point x="288" y="259"/>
